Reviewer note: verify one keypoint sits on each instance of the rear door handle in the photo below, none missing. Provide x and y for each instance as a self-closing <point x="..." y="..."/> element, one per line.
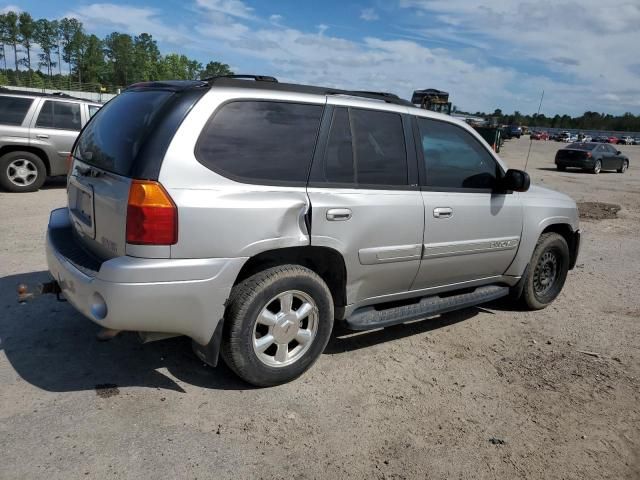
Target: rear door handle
<point x="338" y="214"/>
<point x="42" y="135"/>
<point x="443" y="212"/>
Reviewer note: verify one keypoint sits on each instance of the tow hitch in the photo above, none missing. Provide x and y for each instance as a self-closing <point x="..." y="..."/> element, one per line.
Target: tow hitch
<point x="51" y="287"/>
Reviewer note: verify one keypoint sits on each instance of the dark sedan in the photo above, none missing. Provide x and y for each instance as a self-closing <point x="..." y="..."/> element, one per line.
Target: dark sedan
<point x="592" y="156"/>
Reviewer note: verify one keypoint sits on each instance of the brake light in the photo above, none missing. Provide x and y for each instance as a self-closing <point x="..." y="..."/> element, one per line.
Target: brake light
<point x="152" y="217"/>
<point x="588" y="154"/>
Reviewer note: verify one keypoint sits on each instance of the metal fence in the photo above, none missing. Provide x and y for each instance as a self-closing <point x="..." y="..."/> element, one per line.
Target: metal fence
<point x="90" y="91"/>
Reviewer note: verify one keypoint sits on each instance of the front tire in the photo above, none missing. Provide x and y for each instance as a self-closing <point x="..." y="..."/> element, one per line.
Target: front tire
<point x="624" y="166"/>
<point x="547" y="271"/>
<point x="561" y="168"/>
<point x="277" y="324"/>
<point x="22" y="172"/>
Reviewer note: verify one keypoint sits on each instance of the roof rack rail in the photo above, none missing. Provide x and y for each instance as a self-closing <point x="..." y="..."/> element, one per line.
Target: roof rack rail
<point x="383" y="96"/>
<point x="264" y="82"/>
<point x="257" y="78"/>
<point x="17" y="91"/>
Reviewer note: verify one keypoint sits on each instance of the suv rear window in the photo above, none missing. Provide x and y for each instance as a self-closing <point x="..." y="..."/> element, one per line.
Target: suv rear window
<point x="112" y="140"/>
<point x="261" y="141"/>
<point x="14" y="109"/>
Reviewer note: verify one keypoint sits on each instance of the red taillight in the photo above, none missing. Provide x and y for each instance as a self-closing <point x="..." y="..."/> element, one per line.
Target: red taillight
<point x="588" y="154"/>
<point x="152" y="217"/>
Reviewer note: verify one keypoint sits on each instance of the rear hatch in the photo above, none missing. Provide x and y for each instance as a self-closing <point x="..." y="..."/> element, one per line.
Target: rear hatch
<point x="125" y="140"/>
<point x="572" y="155"/>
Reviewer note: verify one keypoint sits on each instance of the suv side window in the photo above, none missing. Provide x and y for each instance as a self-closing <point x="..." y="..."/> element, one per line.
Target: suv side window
<point x="454" y="159"/>
<point x="365" y="148"/>
<point x="14" y="109"/>
<point x="261" y="141"/>
<point x="93" y="109"/>
<point x="61" y="115"/>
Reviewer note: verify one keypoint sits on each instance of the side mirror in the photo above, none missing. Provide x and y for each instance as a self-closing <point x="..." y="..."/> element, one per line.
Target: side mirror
<point x="618" y="152"/>
<point x="515" y="180"/>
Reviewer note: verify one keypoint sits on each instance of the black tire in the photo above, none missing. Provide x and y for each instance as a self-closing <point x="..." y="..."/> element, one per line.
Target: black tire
<point x="247" y="301"/>
<point x="537" y="294"/>
<point x="561" y="168"/>
<point x="625" y="165"/>
<point x="597" y="167"/>
<point x="32" y="163"/>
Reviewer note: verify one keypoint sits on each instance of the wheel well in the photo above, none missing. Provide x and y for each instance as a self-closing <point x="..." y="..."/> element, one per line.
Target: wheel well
<point x="570" y="237"/>
<point x="326" y="262"/>
<point x="25" y="148"/>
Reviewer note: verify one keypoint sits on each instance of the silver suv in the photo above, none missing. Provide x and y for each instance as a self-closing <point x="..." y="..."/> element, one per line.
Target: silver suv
<point x="37" y="132"/>
<point x="250" y="215"/>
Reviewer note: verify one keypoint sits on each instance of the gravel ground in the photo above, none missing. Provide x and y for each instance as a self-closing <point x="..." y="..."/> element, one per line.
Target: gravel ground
<point x="488" y="392"/>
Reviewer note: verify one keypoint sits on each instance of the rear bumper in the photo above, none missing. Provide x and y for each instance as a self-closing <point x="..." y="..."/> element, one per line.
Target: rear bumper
<point x="181" y="296"/>
<point x="575" y="163"/>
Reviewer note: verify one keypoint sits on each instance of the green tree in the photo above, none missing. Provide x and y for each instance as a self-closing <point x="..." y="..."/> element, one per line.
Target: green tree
<point x="147" y="58"/>
<point x="213" y="69"/>
<point x="13" y="35"/>
<point x="179" y="67"/>
<point x="3" y="38"/>
<point x="72" y="38"/>
<point x="120" y="55"/>
<point x="27" y="28"/>
<point x="46" y="34"/>
<point x="93" y="66"/>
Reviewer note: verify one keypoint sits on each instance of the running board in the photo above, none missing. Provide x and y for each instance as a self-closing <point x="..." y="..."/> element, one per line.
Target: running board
<point x="368" y="318"/>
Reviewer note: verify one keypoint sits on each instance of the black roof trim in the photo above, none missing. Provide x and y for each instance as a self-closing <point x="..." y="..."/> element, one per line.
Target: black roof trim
<point x="264" y="83"/>
<point x="28" y="93"/>
<point x="257" y="78"/>
<point x="173" y="85"/>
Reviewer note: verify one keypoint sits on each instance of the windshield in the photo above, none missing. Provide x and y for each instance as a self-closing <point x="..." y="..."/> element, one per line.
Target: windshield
<point x="114" y="136"/>
<point x="582" y="146"/>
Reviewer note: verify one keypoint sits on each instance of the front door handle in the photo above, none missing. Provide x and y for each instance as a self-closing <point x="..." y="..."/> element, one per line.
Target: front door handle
<point x="42" y="135"/>
<point x="338" y="214"/>
<point x="443" y="212"/>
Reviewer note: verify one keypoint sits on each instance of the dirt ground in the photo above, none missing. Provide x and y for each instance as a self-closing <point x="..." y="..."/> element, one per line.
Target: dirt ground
<point x="488" y="392"/>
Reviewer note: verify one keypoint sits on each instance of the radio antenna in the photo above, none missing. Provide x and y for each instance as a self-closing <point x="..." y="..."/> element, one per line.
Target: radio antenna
<point x="531" y="139"/>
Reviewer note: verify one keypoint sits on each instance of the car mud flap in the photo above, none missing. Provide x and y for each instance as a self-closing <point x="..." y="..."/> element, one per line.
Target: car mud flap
<point x="210" y="352"/>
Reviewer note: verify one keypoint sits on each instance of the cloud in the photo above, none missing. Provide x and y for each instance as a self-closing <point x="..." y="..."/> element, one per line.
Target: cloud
<point x="10" y="8"/>
<point x="576" y="44"/>
<point x="232" y="8"/>
<point x="128" y="19"/>
<point x="369" y="15"/>
<point x="275" y="18"/>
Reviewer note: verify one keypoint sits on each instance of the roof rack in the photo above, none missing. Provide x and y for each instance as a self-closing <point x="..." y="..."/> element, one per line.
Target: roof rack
<point x="271" y="83"/>
<point x="257" y="78"/>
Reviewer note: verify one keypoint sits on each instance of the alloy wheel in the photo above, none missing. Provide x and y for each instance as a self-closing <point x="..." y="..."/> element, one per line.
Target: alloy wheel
<point x="285" y="328"/>
<point x="22" y="172"/>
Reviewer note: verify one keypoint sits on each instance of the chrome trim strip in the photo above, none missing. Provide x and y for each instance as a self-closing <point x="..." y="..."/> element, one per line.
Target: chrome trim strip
<point x="449" y="249"/>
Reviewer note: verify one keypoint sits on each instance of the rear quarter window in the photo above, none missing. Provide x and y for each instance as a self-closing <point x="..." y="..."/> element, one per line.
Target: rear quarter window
<point x="261" y="141"/>
<point x="14" y="109"/>
<point x="113" y="139"/>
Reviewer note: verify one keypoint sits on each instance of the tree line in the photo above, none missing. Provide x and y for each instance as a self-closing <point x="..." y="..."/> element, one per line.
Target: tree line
<point x="38" y="49"/>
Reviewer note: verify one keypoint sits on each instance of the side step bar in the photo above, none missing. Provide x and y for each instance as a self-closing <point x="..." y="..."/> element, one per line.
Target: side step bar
<point x="368" y="318"/>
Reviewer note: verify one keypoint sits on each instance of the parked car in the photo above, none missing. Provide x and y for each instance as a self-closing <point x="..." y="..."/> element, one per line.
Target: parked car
<point x="252" y="215"/>
<point x="601" y="139"/>
<point x="613" y="139"/>
<point x="627" y="140"/>
<point x="515" y="131"/>
<point x="594" y="157"/>
<point x="37" y="132"/>
<point x="539" y="136"/>
<point x="563" y="137"/>
<point x="636" y="141"/>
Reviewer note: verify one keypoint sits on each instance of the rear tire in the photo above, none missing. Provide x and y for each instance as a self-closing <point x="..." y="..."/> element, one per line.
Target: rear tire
<point x="547" y="271"/>
<point x="277" y="324"/>
<point x="597" y="167"/>
<point x="624" y="167"/>
<point x="561" y="168"/>
<point x="22" y="172"/>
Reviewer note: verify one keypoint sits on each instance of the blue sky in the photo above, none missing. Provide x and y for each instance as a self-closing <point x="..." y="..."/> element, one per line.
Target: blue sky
<point x="488" y="53"/>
